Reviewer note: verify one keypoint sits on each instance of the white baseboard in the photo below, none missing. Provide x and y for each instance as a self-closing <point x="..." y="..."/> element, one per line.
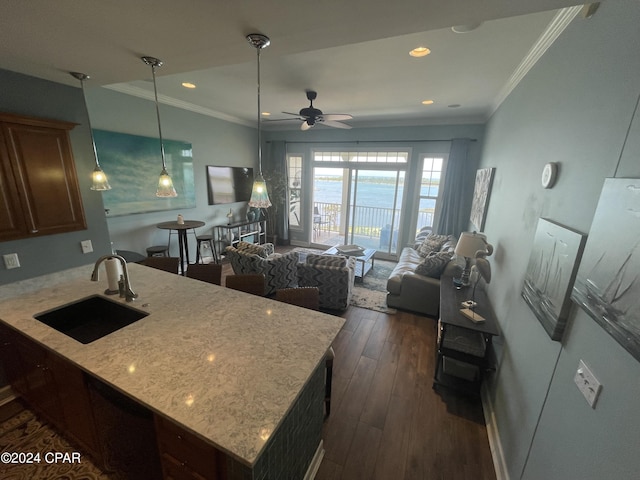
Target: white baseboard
<point x="315" y="462"/>
<point x="493" y="434"/>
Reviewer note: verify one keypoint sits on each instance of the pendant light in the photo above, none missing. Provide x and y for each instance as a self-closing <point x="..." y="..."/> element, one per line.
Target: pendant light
<point x="165" y="185"/>
<point x="99" y="180"/>
<point x="259" y="194"/>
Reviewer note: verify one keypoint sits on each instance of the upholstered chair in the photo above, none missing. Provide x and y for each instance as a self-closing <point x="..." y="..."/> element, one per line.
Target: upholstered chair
<point x="279" y="270"/>
<point x="333" y="275"/>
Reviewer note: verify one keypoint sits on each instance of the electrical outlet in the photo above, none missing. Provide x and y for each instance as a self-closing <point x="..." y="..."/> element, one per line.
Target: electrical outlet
<point x="87" y="246"/>
<point x="588" y="384"/>
<point x="11" y="260"/>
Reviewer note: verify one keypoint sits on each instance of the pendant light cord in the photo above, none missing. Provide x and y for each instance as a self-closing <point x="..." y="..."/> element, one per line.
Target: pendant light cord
<point x="155" y="92"/>
<point x="259" y="120"/>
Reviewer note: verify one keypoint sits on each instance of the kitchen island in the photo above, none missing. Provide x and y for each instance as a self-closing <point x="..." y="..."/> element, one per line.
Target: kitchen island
<point x="241" y="373"/>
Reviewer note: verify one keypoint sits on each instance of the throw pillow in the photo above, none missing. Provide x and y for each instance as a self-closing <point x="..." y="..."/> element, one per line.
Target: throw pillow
<point x="251" y="248"/>
<point x="422" y="234"/>
<point x="434" y="264"/>
<point x="326" y="260"/>
<point x="432" y="243"/>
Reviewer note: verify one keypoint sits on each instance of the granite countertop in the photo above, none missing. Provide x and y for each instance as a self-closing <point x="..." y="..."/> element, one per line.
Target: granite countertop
<point x="224" y="364"/>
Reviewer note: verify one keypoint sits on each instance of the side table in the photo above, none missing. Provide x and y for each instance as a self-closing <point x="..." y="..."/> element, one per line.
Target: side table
<point x="463" y="347"/>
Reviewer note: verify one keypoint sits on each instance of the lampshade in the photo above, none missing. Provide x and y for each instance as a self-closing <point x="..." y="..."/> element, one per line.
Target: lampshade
<point x="165" y="184"/>
<point x="259" y="194"/>
<point x="99" y="180"/>
<point x="470" y="242"/>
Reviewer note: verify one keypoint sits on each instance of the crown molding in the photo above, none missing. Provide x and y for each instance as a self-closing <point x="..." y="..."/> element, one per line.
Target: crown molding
<point x="557" y="25"/>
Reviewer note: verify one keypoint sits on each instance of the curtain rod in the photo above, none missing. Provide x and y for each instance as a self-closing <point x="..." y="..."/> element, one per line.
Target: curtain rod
<point x="375" y="141"/>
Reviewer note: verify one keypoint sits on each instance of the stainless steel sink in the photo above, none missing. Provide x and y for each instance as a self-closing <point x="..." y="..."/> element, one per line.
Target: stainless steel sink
<point x="90" y="318"/>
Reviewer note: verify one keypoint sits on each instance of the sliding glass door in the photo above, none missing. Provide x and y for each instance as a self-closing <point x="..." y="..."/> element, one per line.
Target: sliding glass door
<point x="361" y="206"/>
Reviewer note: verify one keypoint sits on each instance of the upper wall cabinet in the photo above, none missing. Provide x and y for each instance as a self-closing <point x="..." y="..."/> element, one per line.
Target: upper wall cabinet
<point x="38" y="180"/>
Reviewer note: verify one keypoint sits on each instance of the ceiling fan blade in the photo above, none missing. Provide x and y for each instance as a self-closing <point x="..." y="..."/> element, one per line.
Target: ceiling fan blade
<point x="332" y="123"/>
<point x="294" y="114"/>
<point x="337" y="116"/>
<point x="305" y="126"/>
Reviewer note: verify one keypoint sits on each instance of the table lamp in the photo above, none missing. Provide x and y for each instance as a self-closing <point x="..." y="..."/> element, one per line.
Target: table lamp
<point x="467" y="246"/>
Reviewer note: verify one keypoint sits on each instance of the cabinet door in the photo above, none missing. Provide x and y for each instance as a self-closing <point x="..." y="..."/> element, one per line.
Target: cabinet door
<point x="12" y="221"/>
<point x="45" y="177"/>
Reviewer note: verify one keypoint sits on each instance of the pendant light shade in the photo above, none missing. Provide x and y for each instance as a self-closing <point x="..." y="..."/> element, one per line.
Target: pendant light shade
<point x="99" y="180"/>
<point x="165" y="184"/>
<point x="259" y="193"/>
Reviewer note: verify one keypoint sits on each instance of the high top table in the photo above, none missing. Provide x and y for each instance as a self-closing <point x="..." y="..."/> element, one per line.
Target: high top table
<point x="183" y="245"/>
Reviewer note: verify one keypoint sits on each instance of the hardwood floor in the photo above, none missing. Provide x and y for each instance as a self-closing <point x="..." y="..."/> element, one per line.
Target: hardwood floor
<point x="386" y="420"/>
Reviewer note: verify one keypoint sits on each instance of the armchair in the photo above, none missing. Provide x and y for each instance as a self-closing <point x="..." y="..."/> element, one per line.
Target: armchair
<point x="333" y="275"/>
<point x="279" y="270"/>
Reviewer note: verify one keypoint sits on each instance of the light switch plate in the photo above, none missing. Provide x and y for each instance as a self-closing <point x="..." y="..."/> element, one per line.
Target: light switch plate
<point x="86" y="246"/>
<point x="587" y="383"/>
<point x="11" y="260"/>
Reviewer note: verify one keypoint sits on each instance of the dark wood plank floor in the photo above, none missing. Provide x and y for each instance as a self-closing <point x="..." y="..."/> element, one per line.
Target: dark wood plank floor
<point x="386" y="420"/>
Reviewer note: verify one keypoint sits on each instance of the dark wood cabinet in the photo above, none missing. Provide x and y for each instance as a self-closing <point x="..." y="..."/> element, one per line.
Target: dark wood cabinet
<point x="52" y="386"/>
<point x="186" y="457"/>
<point x="38" y="180"/>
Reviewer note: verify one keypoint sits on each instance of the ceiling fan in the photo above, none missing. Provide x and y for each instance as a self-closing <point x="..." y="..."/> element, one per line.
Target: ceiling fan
<point x="311" y="115"/>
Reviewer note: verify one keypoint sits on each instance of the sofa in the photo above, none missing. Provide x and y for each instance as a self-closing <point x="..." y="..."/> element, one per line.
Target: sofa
<point x="414" y="284"/>
<point x="279" y="270"/>
<point x="334" y="276"/>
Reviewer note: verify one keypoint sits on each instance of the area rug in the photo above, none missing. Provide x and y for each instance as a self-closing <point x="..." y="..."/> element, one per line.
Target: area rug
<point x="25" y="433"/>
<point x="371" y="293"/>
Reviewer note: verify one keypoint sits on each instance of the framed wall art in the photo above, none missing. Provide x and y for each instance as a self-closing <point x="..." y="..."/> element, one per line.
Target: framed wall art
<point x="133" y="164"/>
<point x="481" y="191"/>
<point x="607" y="286"/>
<point x="550" y="274"/>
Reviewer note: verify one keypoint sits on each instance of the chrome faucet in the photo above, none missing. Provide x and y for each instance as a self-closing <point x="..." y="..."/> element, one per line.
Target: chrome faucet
<point x="129" y="294"/>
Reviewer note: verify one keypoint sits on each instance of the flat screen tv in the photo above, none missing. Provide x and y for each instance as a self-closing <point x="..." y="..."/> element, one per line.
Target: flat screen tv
<point x="229" y="184"/>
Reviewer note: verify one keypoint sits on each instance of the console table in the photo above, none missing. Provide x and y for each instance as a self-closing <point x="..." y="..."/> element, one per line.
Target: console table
<point x="463" y="347"/>
<point x="248" y="231"/>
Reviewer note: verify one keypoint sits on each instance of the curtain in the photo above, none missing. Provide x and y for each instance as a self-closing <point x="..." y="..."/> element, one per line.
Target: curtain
<point x="457" y="191"/>
<point x="275" y="174"/>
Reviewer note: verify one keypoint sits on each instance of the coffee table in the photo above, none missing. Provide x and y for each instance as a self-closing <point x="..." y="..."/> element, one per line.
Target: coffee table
<point x="364" y="261"/>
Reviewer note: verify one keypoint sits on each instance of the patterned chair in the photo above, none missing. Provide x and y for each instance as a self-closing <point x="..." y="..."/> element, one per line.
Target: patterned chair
<point x="333" y="275"/>
<point x="279" y="270"/>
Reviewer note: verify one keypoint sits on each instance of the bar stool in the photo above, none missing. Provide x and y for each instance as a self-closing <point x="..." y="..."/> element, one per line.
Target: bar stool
<point x="158" y="251"/>
<point x="200" y="239"/>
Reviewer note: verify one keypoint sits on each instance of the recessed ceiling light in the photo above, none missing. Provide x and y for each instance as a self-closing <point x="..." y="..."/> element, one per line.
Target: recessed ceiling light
<point x="427" y="102"/>
<point x="188" y="85"/>
<point x="266" y="114"/>
<point x="465" y="28"/>
<point x="420" y="52"/>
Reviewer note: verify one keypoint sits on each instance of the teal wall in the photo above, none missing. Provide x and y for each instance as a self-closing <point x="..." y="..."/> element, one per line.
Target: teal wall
<point x="214" y="142"/>
<point x="30" y="96"/>
<point x="574" y="107"/>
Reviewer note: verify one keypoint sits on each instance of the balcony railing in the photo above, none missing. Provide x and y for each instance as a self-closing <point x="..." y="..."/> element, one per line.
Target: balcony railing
<point x="371" y="225"/>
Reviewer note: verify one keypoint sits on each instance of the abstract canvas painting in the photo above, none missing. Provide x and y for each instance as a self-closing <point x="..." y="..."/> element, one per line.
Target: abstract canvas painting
<point x="484" y="178"/>
<point x="607" y="285"/>
<point x="133" y="164"/>
<point x="550" y="274"/>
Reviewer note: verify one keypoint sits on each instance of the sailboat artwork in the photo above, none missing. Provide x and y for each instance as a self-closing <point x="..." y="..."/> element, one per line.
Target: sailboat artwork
<point x="550" y="274"/>
<point x="607" y="286"/>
